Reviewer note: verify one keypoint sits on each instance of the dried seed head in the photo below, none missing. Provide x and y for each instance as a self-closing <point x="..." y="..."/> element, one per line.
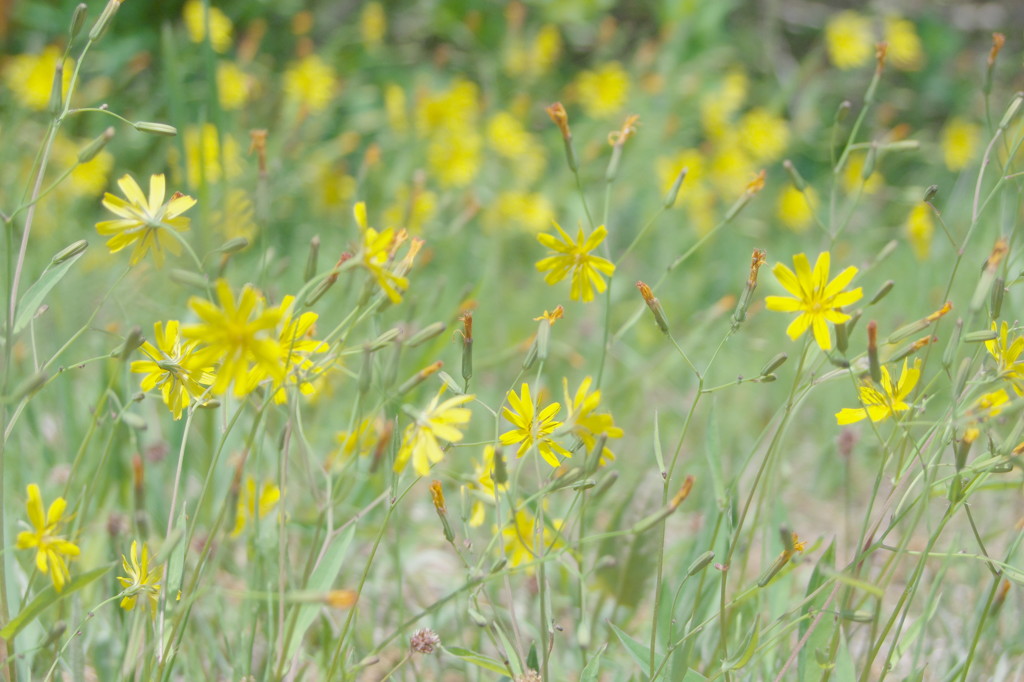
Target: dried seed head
<point x="561" y="119"/>
<point x="424" y="641"/>
<point x="998" y="40"/>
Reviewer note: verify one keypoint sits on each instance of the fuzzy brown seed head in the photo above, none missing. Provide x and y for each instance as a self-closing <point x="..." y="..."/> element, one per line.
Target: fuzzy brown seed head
<point x="617" y="138"/>
<point x="424" y="641"/>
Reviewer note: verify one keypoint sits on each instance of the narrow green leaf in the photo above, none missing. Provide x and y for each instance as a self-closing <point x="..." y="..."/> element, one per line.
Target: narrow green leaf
<point x="510" y="651"/>
<point x="473" y="657"/>
<point x="36" y="294"/>
<point x="641" y="653"/>
<point x="713" y="453"/>
<point x="737" y="662"/>
<point x="321" y="580"/>
<point x="822" y="636"/>
<point x="47" y="597"/>
<point x="658" y="457"/>
<point x="589" y="673"/>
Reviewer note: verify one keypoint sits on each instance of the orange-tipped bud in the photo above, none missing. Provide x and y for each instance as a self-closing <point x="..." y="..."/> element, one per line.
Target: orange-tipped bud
<point x="552" y="316"/>
<point x="998" y="40"/>
<point x="437" y="496"/>
<point x="258" y="144"/>
<point x="419" y="377"/>
<point x="560" y="118"/>
<point x="999" y="251"/>
<point x="341" y="599"/>
<point x="617" y="138"/>
<point x="881" y="49"/>
<point x="655" y="305"/>
<point x="947" y="306"/>
<point x="757" y="259"/>
<point x="683" y="493"/>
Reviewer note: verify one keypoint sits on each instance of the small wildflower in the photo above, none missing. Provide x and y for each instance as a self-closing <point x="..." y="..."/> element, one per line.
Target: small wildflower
<point x="960" y="141"/>
<point x="920" y="228"/>
<point x="519" y="537"/>
<point x="172" y="368"/>
<point x="816" y="299"/>
<point x="438" y="421"/>
<point x="220" y="26"/>
<point x="210" y="156"/>
<point x="552" y="316"/>
<point x="233" y="86"/>
<point x="795" y="209"/>
<point x="848" y="40"/>
<point x="454" y="158"/>
<point x="377" y="249"/>
<point x="139" y="579"/>
<point x="141" y="220"/>
<point x="991" y="404"/>
<point x="560" y="118"/>
<point x="1007" y="354"/>
<point x="311" y="83"/>
<point x="30" y="77"/>
<point x="764" y="135"/>
<point x="884" y="403"/>
<point x="483" y="480"/>
<point x="251" y="505"/>
<point x="50" y="547"/>
<point x="239" y="336"/>
<point x="424" y="641"/>
<point x="574" y="257"/>
<point x="373" y="24"/>
<point x="584" y="422"/>
<point x="296" y="345"/>
<point x="905" y="51"/>
<point x="532" y="428"/>
<point x="603" y="91"/>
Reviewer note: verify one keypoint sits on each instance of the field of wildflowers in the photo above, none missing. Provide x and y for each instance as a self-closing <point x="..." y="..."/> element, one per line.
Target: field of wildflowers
<point x="511" y="341"/>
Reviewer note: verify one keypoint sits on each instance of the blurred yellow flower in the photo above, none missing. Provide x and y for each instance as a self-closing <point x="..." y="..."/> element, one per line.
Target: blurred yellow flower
<point x="236" y="218"/>
<point x="731" y="168"/>
<point x="357" y="442"/>
<point x="507" y="135"/>
<point x="454" y="111"/>
<point x="547" y="47"/>
<point x="88" y="179"/>
<point x="311" y="83"/>
<point x="669" y="167"/>
<point x="603" y="92"/>
<point x="139" y="579"/>
<point x="50" y="547"/>
<point x="209" y="155"/>
<point x="220" y="25"/>
<point x="1007" y="354"/>
<point x="531" y="211"/>
<point x="532" y="428"/>
<point x="233" y="86"/>
<point x="849" y="40"/>
<point x="584" y="423"/>
<point x="144" y="221"/>
<point x="454" y="158"/>
<point x="885" y="403"/>
<point x="795" y="209"/>
<point x="251" y="505"/>
<point x="852" y="180"/>
<point x="521" y="534"/>
<point x="171" y="367"/>
<point x="574" y="257"/>
<point x="764" y="135"/>
<point x="920" y="228"/>
<point x="297" y="344"/>
<point x="29" y="77"/>
<point x="904" y="51"/>
<point x="414" y="211"/>
<point x="816" y="299"/>
<point x="960" y="142"/>
<point x="239" y="336"/>
<point x="991" y="404"/>
<point x="396" y="108"/>
<point x="718" y="106"/>
<point x="438" y="421"/>
<point x="483" y="482"/>
<point x="373" y="24"/>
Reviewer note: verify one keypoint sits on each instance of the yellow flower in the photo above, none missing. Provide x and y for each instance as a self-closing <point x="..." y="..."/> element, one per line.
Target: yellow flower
<point x="373" y="24"/>
<point x="764" y="135"/>
<point x="885" y="403"/>
<point x="532" y="428"/>
<point x="142" y="221"/>
<point x="311" y="83"/>
<point x="250" y="505"/>
<point x="507" y="135"/>
<point x="396" y="108"/>
<point x="668" y="169"/>
<point x="852" y="180"/>
<point x="454" y="110"/>
<point x="483" y="482"/>
<point x="795" y="209"/>
<point x="546" y="48"/>
<point x="454" y="158"/>
<point x="603" y="92"/>
<point x="584" y="423"/>
<point x="529" y="210"/>
<point x="816" y="299"/>
<point x="30" y="77"/>
<point x="413" y="211"/>
<point x="87" y="179"/>
<point x="904" y="51"/>
<point x="1007" y="354"/>
<point x="236" y="218"/>
<point x="731" y="168"/>
<point x="960" y="140"/>
<point x="376" y="254"/>
<point x="220" y="25"/>
<point x="139" y="579"/>
<point x="574" y="257"/>
<point x="233" y="86"/>
<point x="849" y="40"/>
<point x="296" y="344"/>
<point x="50" y="547"/>
<point x="438" y="421"/>
<point x="520" y="538"/>
<point x="172" y="368"/>
<point x="920" y="228"/>
<point x="205" y="148"/>
<point x="239" y="336"/>
<point x="717" y="107"/>
<point x="991" y="404"/>
<point x="359" y="441"/>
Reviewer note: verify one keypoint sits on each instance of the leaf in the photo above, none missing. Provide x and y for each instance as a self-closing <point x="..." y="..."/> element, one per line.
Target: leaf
<point x="36" y="294"/>
<point x="510" y="651"/>
<point x="822" y="636"/>
<point x="473" y="657"/>
<point x="640" y="653"/>
<point x="589" y="673"/>
<point x="737" y="662"/>
<point x="713" y="453"/>
<point x="46" y="598"/>
<point x="321" y="580"/>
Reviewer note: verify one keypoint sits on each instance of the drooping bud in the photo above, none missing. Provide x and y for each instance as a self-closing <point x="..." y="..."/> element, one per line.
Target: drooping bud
<point x="155" y="128"/>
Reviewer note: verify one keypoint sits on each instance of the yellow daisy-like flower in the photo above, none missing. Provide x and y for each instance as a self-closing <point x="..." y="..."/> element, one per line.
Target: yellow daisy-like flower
<point x="233" y="86"/>
<point x="849" y="40"/>
<point x="439" y="421"/>
<point x="574" y="257"/>
<point x="483" y="482"/>
<point x="795" y="209"/>
<point x="960" y="142"/>
<point x="520" y="538"/>
<point x="30" y="77"/>
<point x="904" y="45"/>
<point x="816" y="299"/>
<point x="373" y="24"/>
<point x="920" y="228"/>
<point x="296" y="344"/>
<point x="310" y="82"/>
<point x="584" y="422"/>
<point x="603" y="91"/>
<point x="884" y="403"/>
<point x="142" y="221"/>
<point x="172" y="368"/>
<point x="239" y="336"/>
<point x="532" y="428"/>
<point x="220" y="26"/>
<point x="251" y="505"/>
<point x="139" y="579"/>
<point x="50" y="547"/>
<point x="377" y="253"/>
<point x="991" y="404"/>
<point x="764" y="135"/>
<point x="1007" y="354"/>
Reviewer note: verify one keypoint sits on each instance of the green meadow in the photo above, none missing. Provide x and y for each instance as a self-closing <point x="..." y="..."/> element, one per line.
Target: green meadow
<point x="462" y="340"/>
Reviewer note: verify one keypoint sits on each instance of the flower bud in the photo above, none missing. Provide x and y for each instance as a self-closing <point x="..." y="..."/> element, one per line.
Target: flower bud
<point x="312" y="258"/>
<point x="873" y="366"/>
<point x="57" y="89"/>
<point x="419" y="377"/>
<point x="100" y="27"/>
<point x="69" y="252"/>
<point x="90" y="151"/>
<point x="673" y="192"/>
<point x="700" y="563"/>
<point x="155" y="128"/>
<point x="427" y="333"/>
<point x="655" y="305"/>
<point x="794" y="175"/>
<point x="77" y="20"/>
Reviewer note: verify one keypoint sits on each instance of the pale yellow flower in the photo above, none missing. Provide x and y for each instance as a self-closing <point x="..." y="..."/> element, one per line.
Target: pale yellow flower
<point x="310" y="83"/>
<point x="233" y="86"/>
<point x="849" y="40"/>
<point x="252" y="505"/>
<point x="795" y="209"/>
<point x="884" y="403"/>
<point x="373" y="24"/>
<point x="602" y="92"/>
<point x="439" y="421"/>
<point x="50" y="547"/>
<point x="220" y="26"/>
<point x="904" y="46"/>
<point x="764" y="135"/>
<point x="960" y="142"/>
<point x="30" y="76"/>
<point x="920" y="228"/>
